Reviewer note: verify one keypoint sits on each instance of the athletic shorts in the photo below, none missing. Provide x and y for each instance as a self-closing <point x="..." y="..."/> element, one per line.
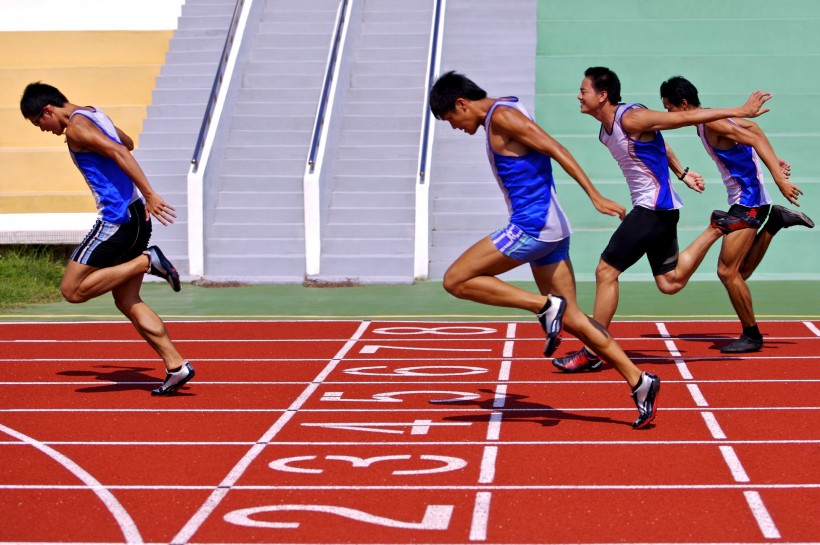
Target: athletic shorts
<point x="758" y="212"/>
<point x="109" y="244"/>
<point x="645" y="231"/>
<point x="515" y="243"/>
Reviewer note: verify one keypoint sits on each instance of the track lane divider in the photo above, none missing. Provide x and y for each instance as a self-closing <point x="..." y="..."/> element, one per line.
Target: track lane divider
<point x="481" y="510"/>
<point x="753" y="499"/>
<point x="219" y="493"/>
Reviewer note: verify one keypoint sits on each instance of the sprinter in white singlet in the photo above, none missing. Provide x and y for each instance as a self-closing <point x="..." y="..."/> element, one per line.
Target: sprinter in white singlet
<point x="631" y="132"/>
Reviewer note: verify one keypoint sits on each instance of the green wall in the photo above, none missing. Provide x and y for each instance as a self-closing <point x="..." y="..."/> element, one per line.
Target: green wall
<point x="727" y="49"/>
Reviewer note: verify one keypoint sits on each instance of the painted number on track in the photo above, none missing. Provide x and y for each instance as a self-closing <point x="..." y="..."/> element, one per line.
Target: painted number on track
<point x="443" y="463"/>
<point x="436" y="517"/>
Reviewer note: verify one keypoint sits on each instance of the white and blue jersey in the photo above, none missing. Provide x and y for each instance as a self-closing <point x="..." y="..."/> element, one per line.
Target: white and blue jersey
<point x="739" y="167"/>
<point x="644" y="164"/>
<point x="112" y="188"/>
<point x="528" y="186"/>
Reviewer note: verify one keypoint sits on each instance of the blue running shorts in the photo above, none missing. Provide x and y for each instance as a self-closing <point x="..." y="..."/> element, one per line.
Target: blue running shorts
<point x="515" y="243"/>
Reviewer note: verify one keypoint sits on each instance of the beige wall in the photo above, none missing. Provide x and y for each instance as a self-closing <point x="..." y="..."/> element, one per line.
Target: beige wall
<point x="114" y="70"/>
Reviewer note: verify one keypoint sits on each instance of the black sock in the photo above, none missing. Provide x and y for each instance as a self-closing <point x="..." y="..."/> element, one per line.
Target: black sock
<point x="638" y="384"/>
<point x="175" y="370"/>
<point x="753" y="332"/>
<point x="774" y="224"/>
<point x="545" y="307"/>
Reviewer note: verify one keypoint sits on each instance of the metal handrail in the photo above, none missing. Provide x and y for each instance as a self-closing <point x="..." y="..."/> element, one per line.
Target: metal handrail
<point x="331" y="65"/>
<point x="220" y="73"/>
<point x="431" y="75"/>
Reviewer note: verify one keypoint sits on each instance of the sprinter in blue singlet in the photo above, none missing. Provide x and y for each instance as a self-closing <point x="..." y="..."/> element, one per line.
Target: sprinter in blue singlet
<point x="737" y="147"/>
<point x="115" y="255"/>
<point x="521" y="154"/>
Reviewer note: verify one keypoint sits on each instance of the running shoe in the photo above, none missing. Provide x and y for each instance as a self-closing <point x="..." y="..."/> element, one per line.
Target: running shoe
<point x="728" y="223"/>
<point x="552" y="320"/>
<point x="787" y="218"/>
<point x="160" y="266"/>
<point x="582" y="360"/>
<point x="645" y="395"/>
<point x="743" y="344"/>
<point x="173" y="381"/>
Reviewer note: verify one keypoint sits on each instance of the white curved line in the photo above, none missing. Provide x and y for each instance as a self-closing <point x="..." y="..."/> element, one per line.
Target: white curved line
<point x="126" y="523"/>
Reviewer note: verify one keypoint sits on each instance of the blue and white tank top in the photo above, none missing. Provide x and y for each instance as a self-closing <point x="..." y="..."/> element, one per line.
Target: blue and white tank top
<point x="644" y="165"/>
<point x="112" y="188"/>
<point x="528" y="186"/>
<point x="739" y="167"/>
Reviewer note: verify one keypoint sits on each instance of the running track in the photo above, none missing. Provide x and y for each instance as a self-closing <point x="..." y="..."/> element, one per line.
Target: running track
<point x="405" y="432"/>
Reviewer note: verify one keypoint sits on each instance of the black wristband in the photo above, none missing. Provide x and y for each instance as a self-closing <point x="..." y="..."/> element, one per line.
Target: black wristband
<point x="683" y="174"/>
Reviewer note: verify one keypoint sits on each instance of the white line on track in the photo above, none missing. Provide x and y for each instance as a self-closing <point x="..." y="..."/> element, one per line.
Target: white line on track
<point x="731" y="459"/>
<point x="467" y="487"/>
<point x="813" y="328"/>
<point x="761" y="514"/>
<point x="124" y="520"/>
<point x="454" y="340"/>
<point x="753" y="499"/>
<point x="216" y="497"/>
<point x="423" y="443"/>
<point x="481" y="515"/>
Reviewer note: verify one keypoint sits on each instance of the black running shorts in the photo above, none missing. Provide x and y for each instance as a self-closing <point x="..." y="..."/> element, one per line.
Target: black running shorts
<point x="109" y="244"/>
<point x="645" y="231"/>
<point x="760" y="213"/>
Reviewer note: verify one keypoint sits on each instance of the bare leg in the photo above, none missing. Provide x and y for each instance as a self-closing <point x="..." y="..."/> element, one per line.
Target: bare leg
<point x="559" y="279"/>
<point x="688" y="261"/>
<point x="733" y="250"/>
<point x="607" y="293"/>
<point x="756" y="253"/>
<point x="83" y="282"/>
<point x="146" y="321"/>
<point x="473" y="277"/>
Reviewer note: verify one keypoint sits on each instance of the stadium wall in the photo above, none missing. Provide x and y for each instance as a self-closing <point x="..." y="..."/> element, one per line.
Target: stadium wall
<point x="727" y="49"/>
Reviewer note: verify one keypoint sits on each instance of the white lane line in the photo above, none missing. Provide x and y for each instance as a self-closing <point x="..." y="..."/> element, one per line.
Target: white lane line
<point x="221" y="491"/>
<point x="759" y="511"/>
<point x="731" y="459"/>
<point x="712" y="424"/>
<point x="417" y="443"/>
<point x="674" y="352"/>
<point x="124" y="520"/>
<point x="500" y="397"/>
<point x="812" y="328"/>
<point x="466" y="487"/>
<point x="487" y="474"/>
<point x="761" y="515"/>
<point x="696" y="394"/>
<point x="481" y="516"/>
<point x="804" y="359"/>
<point x="494" y="427"/>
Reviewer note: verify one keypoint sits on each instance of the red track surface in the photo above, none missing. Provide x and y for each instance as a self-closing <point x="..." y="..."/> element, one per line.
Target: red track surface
<point x="349" y="432"/>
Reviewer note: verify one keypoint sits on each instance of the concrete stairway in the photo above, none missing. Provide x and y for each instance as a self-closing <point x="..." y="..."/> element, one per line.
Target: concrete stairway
<point x="175" y="114"/>
<point x="494" y="45"/>
<point x="257" y="228"/>
<point x="369" y="232"/>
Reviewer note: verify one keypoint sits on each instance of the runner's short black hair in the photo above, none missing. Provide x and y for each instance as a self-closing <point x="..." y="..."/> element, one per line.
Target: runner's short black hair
<point x="678" y="88"/>
<point x="37" y="96"/>
<point x="604" y="79"/>
<point x="449" y="88"/>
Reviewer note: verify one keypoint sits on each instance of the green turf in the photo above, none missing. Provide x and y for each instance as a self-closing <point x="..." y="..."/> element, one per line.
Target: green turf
<point x="427" y="301"/>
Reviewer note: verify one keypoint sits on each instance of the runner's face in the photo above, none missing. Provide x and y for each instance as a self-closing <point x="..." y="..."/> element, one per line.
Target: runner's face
<point x="460" y="118"/>
<point x="589" y="98"/>
<point x="671" y="107"/>
<point x="46" y="121"/>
